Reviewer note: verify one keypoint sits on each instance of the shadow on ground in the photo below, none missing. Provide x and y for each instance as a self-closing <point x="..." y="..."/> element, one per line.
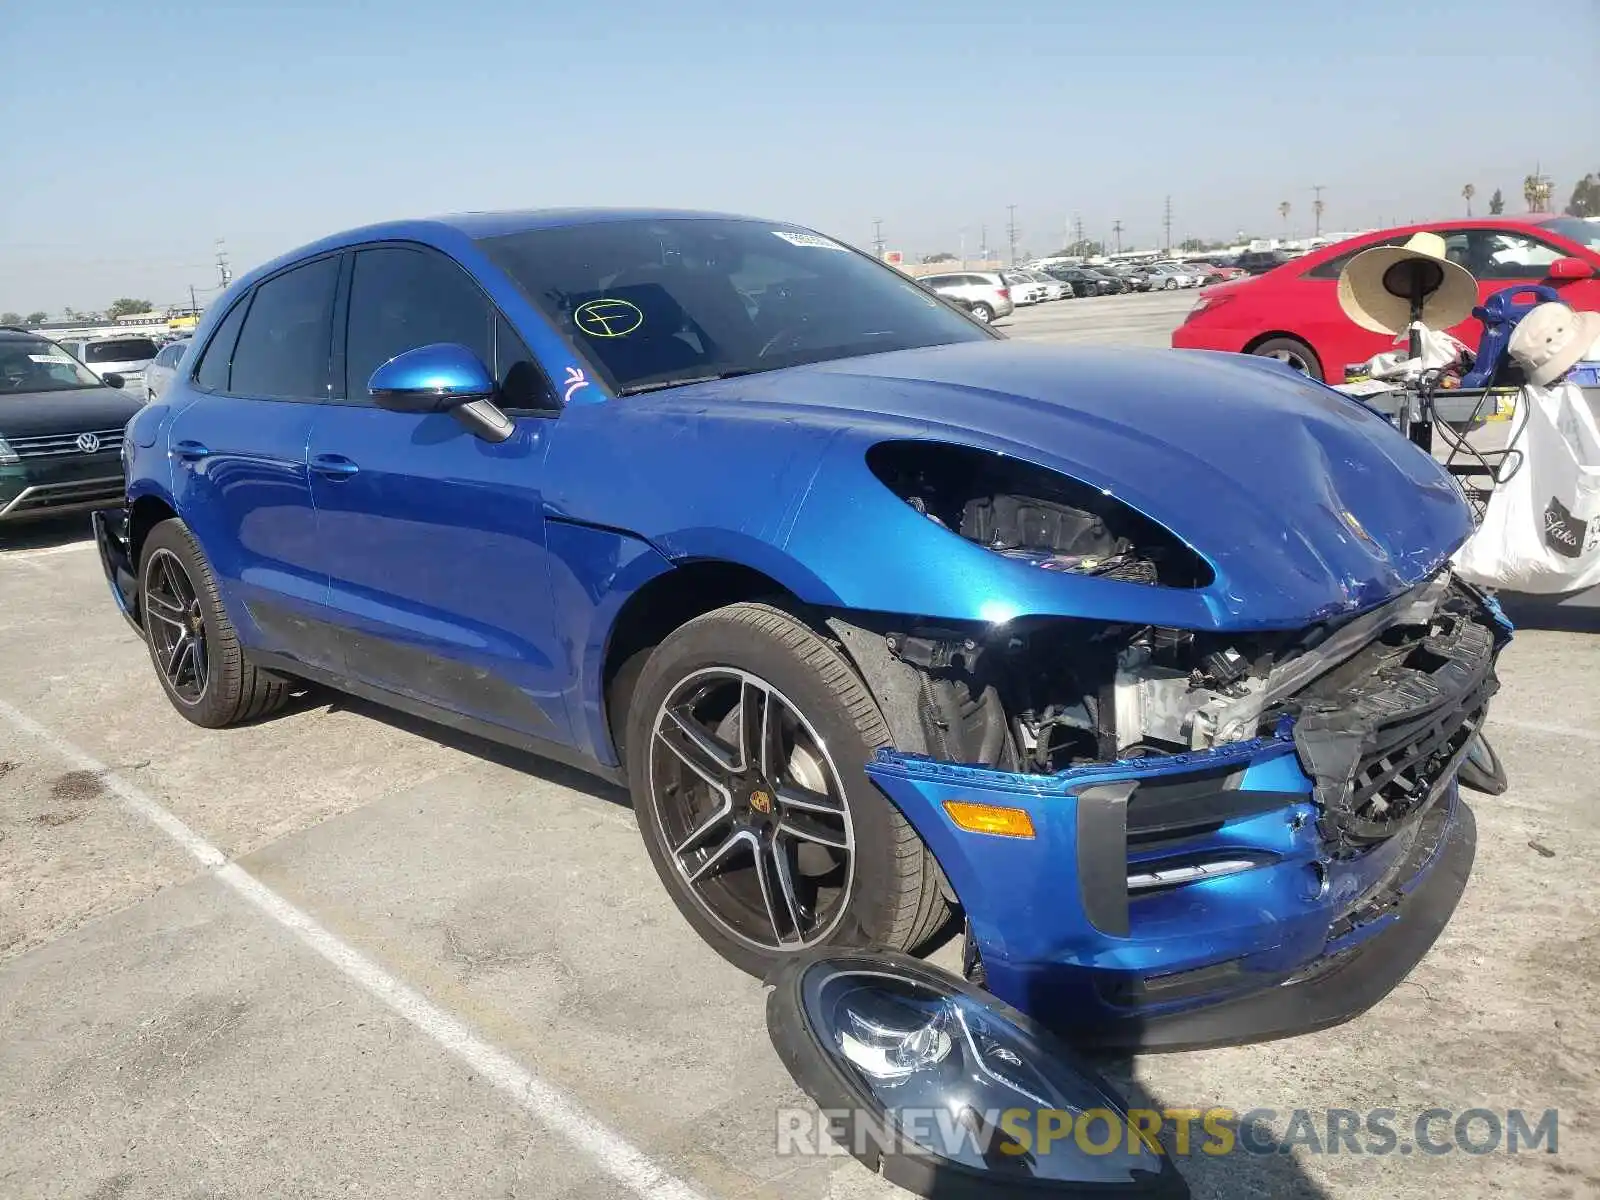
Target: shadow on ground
<point x="43" y="534"/>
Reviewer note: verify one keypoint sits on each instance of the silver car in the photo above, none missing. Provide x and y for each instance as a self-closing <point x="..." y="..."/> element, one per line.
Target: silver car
<point x="986" y="295"/>
<point x="163" y="368"/>
<point x="125" y="354"/>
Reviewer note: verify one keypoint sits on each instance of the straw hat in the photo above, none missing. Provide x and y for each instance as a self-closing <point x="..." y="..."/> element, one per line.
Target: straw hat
<point x="1375" y="286"/>
<point x="1552" y="339"/>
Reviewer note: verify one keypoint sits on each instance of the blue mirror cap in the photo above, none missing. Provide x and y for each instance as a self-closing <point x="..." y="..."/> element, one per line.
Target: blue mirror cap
<point x="445" y="369"/>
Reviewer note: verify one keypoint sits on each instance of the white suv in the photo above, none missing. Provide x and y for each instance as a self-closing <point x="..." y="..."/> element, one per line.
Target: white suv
<point x="986" y="295"/>
<point x="125" y="354"/>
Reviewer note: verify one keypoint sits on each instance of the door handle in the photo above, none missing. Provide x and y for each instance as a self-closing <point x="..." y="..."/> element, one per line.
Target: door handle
<point x="333" y="466"/>
<point x="191" y="451"/>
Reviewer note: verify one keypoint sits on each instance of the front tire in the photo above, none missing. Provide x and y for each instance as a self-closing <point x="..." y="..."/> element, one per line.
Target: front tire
<point x="193" y="646"/>
<point x="748" y="739"/>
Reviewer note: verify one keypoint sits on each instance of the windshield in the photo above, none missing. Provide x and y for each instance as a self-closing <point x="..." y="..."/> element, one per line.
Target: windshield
<point x="655" y="303"/>
<point x="35" y="365"/>
<point x="121" y="350"/>
<point x="1583" y="230"/>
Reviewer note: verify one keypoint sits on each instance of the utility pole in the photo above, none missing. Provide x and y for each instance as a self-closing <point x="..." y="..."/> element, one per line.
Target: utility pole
<point x="194" y="308"/>
<point x="983" y="243"/>
<point x="1011" y="231"/>
<point x="1116" y="232"/>
<point x="1316" y="208"/>
<point x="1077" y="227"/>
<point x="224" y="272"/>
<point x="877" y="239"/>
<point x="1166" y="224"/>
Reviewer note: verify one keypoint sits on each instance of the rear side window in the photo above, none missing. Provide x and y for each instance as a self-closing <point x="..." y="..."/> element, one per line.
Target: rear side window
<point x="403" y="298"/>
<point x="1331" y="268"/>
<point x="121" y="350"/>
<point x="212" y="375"/>
<point x="283" y="349"/>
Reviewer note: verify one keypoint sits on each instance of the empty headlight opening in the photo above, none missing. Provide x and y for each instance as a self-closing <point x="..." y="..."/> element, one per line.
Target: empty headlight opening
<point x="1030" y="514"/>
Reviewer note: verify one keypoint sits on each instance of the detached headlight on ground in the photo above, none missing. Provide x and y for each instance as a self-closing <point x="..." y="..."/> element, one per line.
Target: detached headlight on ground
<point x="945" y="1090"/>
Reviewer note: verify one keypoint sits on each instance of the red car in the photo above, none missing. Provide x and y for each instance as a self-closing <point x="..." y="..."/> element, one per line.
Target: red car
<point x="1292" y="313"/>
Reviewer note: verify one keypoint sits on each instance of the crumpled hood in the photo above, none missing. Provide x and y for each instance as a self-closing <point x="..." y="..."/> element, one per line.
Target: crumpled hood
<point x="1306" y="504"/>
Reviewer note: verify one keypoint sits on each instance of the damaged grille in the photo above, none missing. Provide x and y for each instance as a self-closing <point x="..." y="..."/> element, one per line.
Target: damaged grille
<point x="1380" y="733"/>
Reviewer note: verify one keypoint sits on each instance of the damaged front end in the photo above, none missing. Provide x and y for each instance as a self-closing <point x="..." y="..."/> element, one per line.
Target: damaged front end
<point x="1224" y="836"/>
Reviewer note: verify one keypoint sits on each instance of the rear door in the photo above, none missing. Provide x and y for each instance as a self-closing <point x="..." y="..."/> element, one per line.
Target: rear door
<point x="239" y="457"/>
<point x="435" y="539"/>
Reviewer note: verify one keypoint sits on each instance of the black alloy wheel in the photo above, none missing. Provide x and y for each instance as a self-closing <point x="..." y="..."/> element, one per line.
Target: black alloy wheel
<point x="193" y="645"/>
<point x="748" y="738"/>
<point x="753" y="810"/>
<point x="176" y="627"/>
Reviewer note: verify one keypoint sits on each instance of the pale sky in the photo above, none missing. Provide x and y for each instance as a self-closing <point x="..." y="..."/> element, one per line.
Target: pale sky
<point x="161" y="127"/>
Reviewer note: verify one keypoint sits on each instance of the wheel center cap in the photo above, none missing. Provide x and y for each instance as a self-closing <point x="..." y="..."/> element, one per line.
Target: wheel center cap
<point x="761" y="801"/>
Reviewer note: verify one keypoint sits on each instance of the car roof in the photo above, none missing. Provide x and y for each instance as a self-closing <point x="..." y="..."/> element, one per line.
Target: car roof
<point x="471" y="226"/>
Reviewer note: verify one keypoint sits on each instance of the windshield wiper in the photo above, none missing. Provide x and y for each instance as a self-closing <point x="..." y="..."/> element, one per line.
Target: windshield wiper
<point x="635" y="389"/>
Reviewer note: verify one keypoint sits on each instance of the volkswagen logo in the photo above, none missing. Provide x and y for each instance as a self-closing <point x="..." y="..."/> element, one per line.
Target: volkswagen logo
<point x="88" y="443"/>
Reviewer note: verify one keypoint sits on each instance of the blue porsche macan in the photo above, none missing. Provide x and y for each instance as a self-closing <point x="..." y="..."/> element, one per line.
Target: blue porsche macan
<point x="1148" y="666"/>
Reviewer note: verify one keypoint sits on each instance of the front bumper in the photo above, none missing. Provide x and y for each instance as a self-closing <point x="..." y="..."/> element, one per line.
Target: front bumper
<point x="1258" y="930"/>
<point x="1251" y="890"/>
<point x="39" y="488"/>
<point x="110" y="527"/>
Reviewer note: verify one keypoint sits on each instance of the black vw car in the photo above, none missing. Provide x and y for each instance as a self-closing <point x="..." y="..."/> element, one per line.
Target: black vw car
<point x="60" y="430"/>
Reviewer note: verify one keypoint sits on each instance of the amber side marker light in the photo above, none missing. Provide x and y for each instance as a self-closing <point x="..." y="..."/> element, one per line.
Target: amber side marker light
<point x="990" y="818"/>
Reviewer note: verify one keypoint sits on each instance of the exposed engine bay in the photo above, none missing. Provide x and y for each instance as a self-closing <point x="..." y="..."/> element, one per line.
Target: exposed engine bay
<point x="1379" y="707"/>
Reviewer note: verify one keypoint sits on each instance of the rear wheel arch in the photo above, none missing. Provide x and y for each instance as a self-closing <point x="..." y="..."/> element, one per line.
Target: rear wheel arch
<point x="145" y="514"/>
<point x="1255" y="345"/>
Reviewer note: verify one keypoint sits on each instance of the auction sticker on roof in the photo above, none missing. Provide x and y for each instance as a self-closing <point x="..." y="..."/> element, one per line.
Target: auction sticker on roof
<point x="814" y="240"/>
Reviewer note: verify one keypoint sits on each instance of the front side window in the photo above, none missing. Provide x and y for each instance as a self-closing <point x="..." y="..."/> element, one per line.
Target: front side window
<point x="402" y="298"/>
<point x="283" y="348"/>
<point x="656" y="303"/>
<point x="38" y="365"/>
<point x="1498" y="254"/>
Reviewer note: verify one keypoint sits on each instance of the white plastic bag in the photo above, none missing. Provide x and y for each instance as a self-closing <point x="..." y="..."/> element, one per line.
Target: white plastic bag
<point x="1439" y="349"/>
<point x="1541" y="531"/>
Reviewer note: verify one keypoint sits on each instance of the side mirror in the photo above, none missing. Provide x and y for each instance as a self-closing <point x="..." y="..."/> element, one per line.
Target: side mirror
<point x="1570" y="268"/>
<point x="444" y="377"/>
<point x="431" y="379"/>
<point x="112" y="380"/>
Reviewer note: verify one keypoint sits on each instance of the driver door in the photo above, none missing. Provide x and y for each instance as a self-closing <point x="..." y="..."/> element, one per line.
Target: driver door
<point x="434" y="540"/>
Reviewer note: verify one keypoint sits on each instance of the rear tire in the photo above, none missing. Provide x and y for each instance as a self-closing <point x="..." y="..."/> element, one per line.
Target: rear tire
<point x="193" y="646"/>
<point x="732" y="877"/>
<point x="982" y="313"/>
<point x="1295" y="353"/>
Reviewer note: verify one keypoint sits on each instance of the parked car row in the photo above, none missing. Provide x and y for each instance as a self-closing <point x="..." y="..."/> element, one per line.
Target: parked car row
<point x="1292" y="313"/>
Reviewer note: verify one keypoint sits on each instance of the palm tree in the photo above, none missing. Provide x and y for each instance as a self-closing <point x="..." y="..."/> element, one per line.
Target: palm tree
<point x="1283" y="211"/>
<point x="1536" y="191"/>
<point x="1467" y="193"/>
